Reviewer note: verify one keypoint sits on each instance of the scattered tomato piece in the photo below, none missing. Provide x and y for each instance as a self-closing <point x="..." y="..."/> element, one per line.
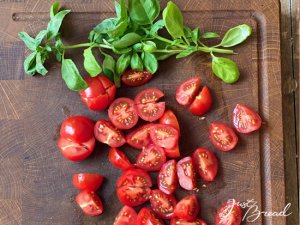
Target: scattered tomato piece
<point x="187" y="208"/>
<point x="126" y="216"/>
<point x="186" y="173"/>
<point x="229" y="213"/>
<point x="147" y="216"/>
<point x="202" y="102"/>
<point x="87" y="181"/>
<point x="119" y="159"/>
<point x="187" y="91"/>
<point x="162" y="204"/>
<point x="167" y="179"/>
<point x="90" y="203"/>
<point x="134" y="78"/>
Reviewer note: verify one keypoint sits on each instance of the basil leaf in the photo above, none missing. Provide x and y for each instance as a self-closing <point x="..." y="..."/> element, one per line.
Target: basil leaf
<point x="163" y="56"/>
<point x="187" y="32"/>
<point x="127" y="40"/>
<point x="90" y="63"/>
<point x="29" y="41"/>
<point x="195" y="35"/>
<point x="58" y="48"/>
<point x="121" y="9"/>
<point x="225" y="69"/>
<point x="29" y="64"/>
<point x="159" y="24"/>
<point x="150" y="62"/>
<point x="136" y="62"/>
<point x="122" y="50"/>
<point x="149" y="46"/>
<point x="112" y="26"/>
<point x="138" y="46"/>
<point x="210" y="35"/>
<point x="39" y="37"/>
<point x="54" y="9"/>
<point x="55" y="23"/>
<point x="71" y="76"/>
<point x="173" y="20"/>
<point x="143" y="12"/>
<point x="122" y="63"/>
<point x="186" y="52"/>
<point x="236" y="35"/>
<point x="39" y="65"/>
<point x="109" y="66"/>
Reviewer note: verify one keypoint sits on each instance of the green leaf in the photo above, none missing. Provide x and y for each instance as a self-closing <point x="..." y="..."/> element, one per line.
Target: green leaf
<point x="39" y="37"/>
<point x="236" y="35"/>
<point x="210" y="35"/>
<point x="112" y="26"/>
<point x="136" y="62"/>
<point x="173" y="20"/>
<point x="122" y="50"/>
<point x="39" y="64"/>
<point x="30" y="64"/>
<point x="187" y="52"/>
<point x="163" y="56"/>
<point x="195" y="35"/>
<point x="54" y="9"/>
<point x="225" y="69"/>
<point x="149" y="46"/>
<point x="121" y="9"/>
<point x="127" y="40"/>
<point x="71" y="76"/>
<point x="90" y="63"/>
<point x="58" y="48"/>
<point x="143" y="12"/>
<point x="29" y="41"/>
<point x="150" y="62"/>
<point x="138" y="46"/>
<point x="55" y="23"/>
<point x="122" y="64"/>
<point x="109" y="66"/>
<point x="187" y="32"/>
<point x="159" y="24"/>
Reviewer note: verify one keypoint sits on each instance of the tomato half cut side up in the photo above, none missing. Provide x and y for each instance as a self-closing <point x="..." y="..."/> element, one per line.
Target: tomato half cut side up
<point x="133" y="196"/>
<point x="147" y="216"/>
<point x="126" y="216"/>
<point x="122" y="113"/>
<point x="164" y="136"/>
<point x="177" y="221"/>
<point x="87" y="181"/>
<point x="187" y="90"/>
<point x="134" y="177"/>
<point x="222" y="136"/>
<point x="245" y="120"/>
<point x="202" y="103"/>
<point x="119" y="159"/>
<point x="186" y="173"/>
<point x="229" y="213"/>
<point x="133" y="78"/>
<point x="90" y="203"/>
<point x="140" y="137"/>
<point x="167" y="179"/>
<point x="187" y="208"/>
<point x="162" y="204"/>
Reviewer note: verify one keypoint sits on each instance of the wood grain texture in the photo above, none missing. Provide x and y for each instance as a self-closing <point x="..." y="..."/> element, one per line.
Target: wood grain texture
<point x="43" y="192"/>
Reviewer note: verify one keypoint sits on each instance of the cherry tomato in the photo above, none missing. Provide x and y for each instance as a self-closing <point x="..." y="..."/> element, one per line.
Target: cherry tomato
<point x="222" y="136"/>
<point x="119" y="159"/>
<point x="90" y="203"/>
<point x="140" y="137"/>
<point x="245" y="119"/>
<point x="147" y="106"/>
<point x="122" y="113"/>
<point x="163" y="204"/>
<point x="164" y="136"/>
<point x="134" y="177"/>
<point x="187" y="208"/>
<point x="187" y="91"/>
<point x="202" y="102"/>
<point x="186" y="173"/>
<point x="87" y="181"/>
<point x="206" y="164"/>
<point x="126" y="216"/>
<point x="229" y="213"/>
<point x="169" y="118"/>
<point x="173" y="152"/>
<point x="167" y="179"/>
<point x="133" y="196"/>
<point x="99" y="94"/>
<point x="134" y="78"/>
<point x="106" y="133"/>
<point x="147" y="216"/>
<point x="151" y="158"/>
<point x="176" y="221"/>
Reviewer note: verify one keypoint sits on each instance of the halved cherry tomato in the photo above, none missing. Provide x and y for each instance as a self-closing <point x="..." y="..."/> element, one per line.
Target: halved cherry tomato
<point x="187" y="208"/>
<point x="126" y="216"/>
<point x="176" y="221"/>
<point x="167" y="179"/>
<point x="206" y="164"/>
<point x="134" y="177"/>
<point x="186" y="173"/>
<point x="135" y="78"/>
<point x="202" y="102"/>
<point x="87" y="181"/>
<point x="169" y="118"/>
<point x="140" y="137"/>
<point x="119" y="159"/>
<point x="187" y="90"/>
<point x="147" y="216"/>
<point x="133" y="196"/>
<point x="90" y="203"/>
<point x="222" y="136"/>
<point x="173" y="152"/>
<point x="147" y="106"/>
<point x="99" y="94"/>
<point x="164" y="136"/>
<point x="151" y="158"/>
<point x="245" y="119"/>
<point x="106" y="133"/>
<point x="229" y="213"/>
<point x="163" y="204"/>
<point x="122" y="113"/>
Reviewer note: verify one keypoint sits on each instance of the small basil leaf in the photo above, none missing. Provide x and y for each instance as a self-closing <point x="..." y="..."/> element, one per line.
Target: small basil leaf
<point x="143" y="12"/>
<point x="225" y="69"/>
<point x="121" y="9"/>
<point x="30" y="63"/>
<point x="119" y="29"/>
<point x="159" y="24"/>
<point x="122" y="63"/>
<point x="187" y="32"/>
<point x="90" y="63"/>
<point x="71" y="76"/>
<point x="109" y="66"/>
<point x="55" y="23"/>
<point x="149" y="46"/>
<point x="195" y="35"/>
<point x="54" y="9"/>
<point x="150" y="62"/>
<point x="122" y="50"/>
<point x="58" y="48"/>
<point x="39" y="37"/>
<point x="106" y="25"/>
<point x="39" y="65"/>
<point x="138" y="46"/>
<point x="186" y="52"/>
<point x="236" y="35"/>
<point x="210" y="35"/>
<point x="136" y="62"/>
<point x="29" y="41"/>
<point x="127" y="40"/>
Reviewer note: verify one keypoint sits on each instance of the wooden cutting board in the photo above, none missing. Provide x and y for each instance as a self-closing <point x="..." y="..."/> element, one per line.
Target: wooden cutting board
<point x="35" y="180"/>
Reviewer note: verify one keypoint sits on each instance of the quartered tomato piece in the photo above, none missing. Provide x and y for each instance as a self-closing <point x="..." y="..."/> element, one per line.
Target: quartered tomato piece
<point x="230" y="213"/>
<point x="147" y="106"/>
<point x="133" y="196"/>
<point x="164" y="136"/>
<point x="169" y="118"/>
<point x="163" y="204"/>
<point x="87" y="181"/>
<point x="187" y="208"/>
<point x="126" y="216"/>
<point x="187" y="91"/>
<point x="119" y="159"/>
<point x="135" y="78"/>
<point x="206" y="164"/>
<point x="222" y="136"/>
<point x="173" y="152"/>
<point x="90" y="203"/>
<point x="134" y="177"/>
<point x="106" y="133"/>
<point x="245" y="119"/>
<point x="202" y="102"/>
<point x="177" y="221"/>
<point x="167" y="179"/>
<point x="140" y="137"/>
<point x="147" y="216"/>
<point x="186" y="173"/>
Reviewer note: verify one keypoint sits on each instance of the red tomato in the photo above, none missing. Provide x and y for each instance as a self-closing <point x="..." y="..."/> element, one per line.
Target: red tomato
<point x="187" y="90"/>
<point x="230" y="213"/>
<point x="147" y="106"/>
<point x="177" y="221"/>
<point x="206" y="164"/>
<point x="222" y="136"/>
<point x="133" y="196"/>
<point x="245" y="120"/>
<point x="147" y="216"/>
<point x="99" y="94"/>
<point x="119" y="159"/>
<point x="87" y="181"/>
<point x="164" y="135"/>
<point x="169" y="118"/>
<point x="163" y="204"/>
<point x="167" y="179"/>
<point x="106" y="133"/>
<point x="187" y="208"/>
<point x="90" y="203"/>
<point x="126" y="216"/>
<point x="173" y="153"/>
<point x="151" y="158"/>
<point x="186" y="173"/>
<point x="134" y="177"/>
<point x="122" y="113"/>
<point x="140" y="137"/>
<point x="134" y="78"/>
<point x="202" y="102"/>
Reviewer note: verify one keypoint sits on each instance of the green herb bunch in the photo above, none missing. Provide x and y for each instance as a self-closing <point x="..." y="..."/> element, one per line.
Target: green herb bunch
<point x="131" y="39"/>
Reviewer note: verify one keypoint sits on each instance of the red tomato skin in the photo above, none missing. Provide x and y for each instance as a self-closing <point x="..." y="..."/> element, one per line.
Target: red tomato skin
<point x="206" y="164"/>
<point x="119" y="159"/>
<point x="158" y="135"/>
<point x="149" y="95"/>
<point x="87" y="181"/>
<point x="176" y="221"/>
<point x="187" y="90"/>
<point x="158" y="200"/>
<point x="147" y="216"/>
<point x="186" y="173"/>
<point x="134" y="78"/>
<point x="169" y="118"/>
<point x="167" y="179"/>
<point x="244" y="111"/>
<point x="133" y="196"/>
<point x="140" y="137"/>
<point x="126" y="216"/>
<point x="90" y="203"/>
<point x="134" y="177"/>
<point x="229" y="213"/>
<point x="202" y="103"/>
<point x="159" y="111"/>
<point x="173" y="152"/>
<point x="187" y="208"/>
